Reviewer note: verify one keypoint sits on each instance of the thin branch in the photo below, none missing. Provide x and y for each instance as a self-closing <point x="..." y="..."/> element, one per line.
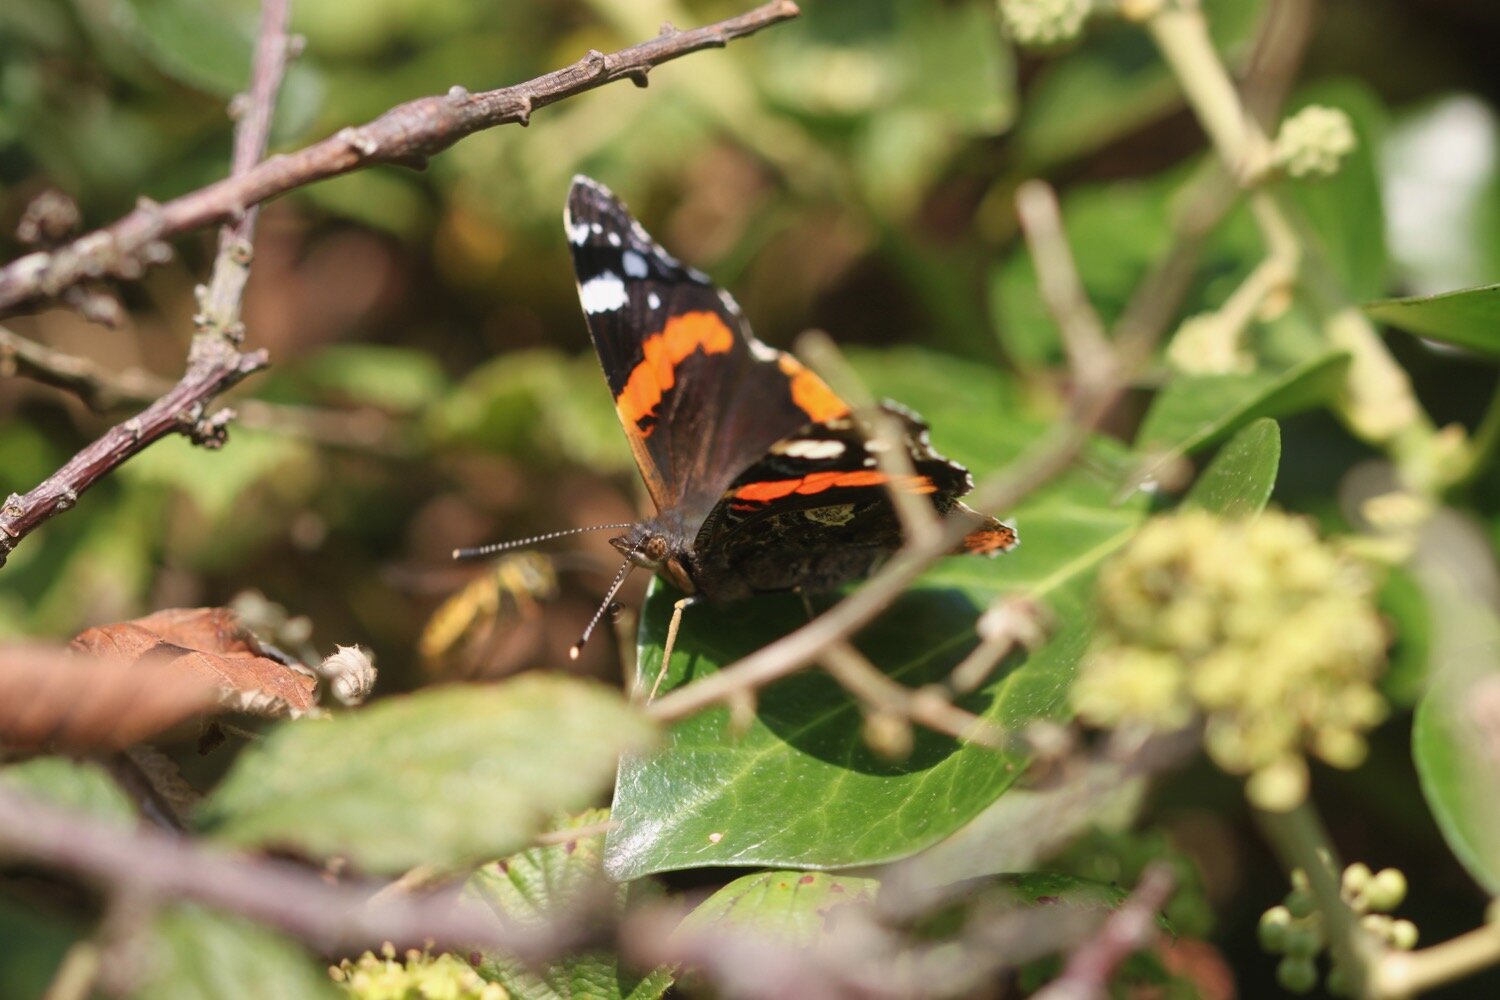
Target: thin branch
<point x="927" y="706"/>
<point x="1401" y="974"/>
<point x="919" y="521"/>
<point x="1082" y="331"/>
<point x="1129" y="929"/>
<point x="1300" y="841"/>
<point x="406" y="135"/>
<point x="100" y="388"/>
<point x="328" y="917"/>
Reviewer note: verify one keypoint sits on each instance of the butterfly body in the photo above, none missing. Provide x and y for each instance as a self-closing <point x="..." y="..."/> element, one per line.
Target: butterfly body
<point x="762" y="479"/>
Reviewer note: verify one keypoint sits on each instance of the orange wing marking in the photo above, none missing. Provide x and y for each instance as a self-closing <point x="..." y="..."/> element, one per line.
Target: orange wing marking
<point x="810" y="393"/>
<point x="662" y="353"/>
<point x="817" y="482"/>
<point x="990" y="540"/>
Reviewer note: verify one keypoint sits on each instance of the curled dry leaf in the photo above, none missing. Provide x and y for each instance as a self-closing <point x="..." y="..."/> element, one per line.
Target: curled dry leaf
<point x="212" y="643"/>
<point x="51" y="697"/>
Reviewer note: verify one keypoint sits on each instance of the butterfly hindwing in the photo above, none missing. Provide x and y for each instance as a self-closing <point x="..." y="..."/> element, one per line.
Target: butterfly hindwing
<point x="815" y="512"/>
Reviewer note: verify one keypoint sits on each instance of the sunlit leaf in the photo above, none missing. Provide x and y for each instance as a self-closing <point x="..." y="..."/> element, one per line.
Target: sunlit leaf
<point x="1469" y="317"/>
<point x="1239" y="481"/>
<point x="542" y="884"/>
<point x="80" y="785"/>
<point x="792" y="908"/>
<point x="444" y="776"/>
<point x="1193" y="412"/>
<point x="196" y="954"/>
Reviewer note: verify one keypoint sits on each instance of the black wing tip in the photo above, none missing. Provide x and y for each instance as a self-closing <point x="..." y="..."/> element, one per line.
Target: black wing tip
<point x="586" y="191"/>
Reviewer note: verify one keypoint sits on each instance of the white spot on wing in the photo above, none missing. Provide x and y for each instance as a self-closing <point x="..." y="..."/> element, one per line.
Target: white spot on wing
<point x="809" y="448"/>
<point x="653" y="300"/>
<point x="578" y="234"/>
<point x="761" y="351"/>
<point x="614" y="239"/>
<point x="604" y="293"/>
<point x="635" y="264"/>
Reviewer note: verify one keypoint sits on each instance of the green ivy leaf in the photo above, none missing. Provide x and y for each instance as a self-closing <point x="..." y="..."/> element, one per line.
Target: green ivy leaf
<point x="33" y="942"/>
<point x="1469" y="317"/>
<point x="536" y="885"/>
<point x="800" y="788"/>
<point x="72" y="784"/>
<point x="445" y="776"/>
<point x="1239" y="481"/>
<point x="788" y="907"/>
<point x="197" y="954"/>
<point x="1193" y="412"/>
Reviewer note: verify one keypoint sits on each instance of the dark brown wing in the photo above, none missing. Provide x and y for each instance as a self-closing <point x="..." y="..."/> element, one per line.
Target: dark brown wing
<point x="699" y="397"/>
<point x="815" y="513"/>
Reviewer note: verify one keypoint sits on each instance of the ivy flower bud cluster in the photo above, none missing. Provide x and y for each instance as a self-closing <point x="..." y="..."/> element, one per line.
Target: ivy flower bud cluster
<point x="1314" y="142"/>
<point x="1044" y="23"/>
<point x="1295" y="929"/>
<point x="420" y="977"/>
<point x="1257" y="628"/>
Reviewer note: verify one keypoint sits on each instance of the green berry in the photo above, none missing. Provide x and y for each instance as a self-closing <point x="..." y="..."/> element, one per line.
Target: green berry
<point x="1274" y="924"/>
<point x="1301" y="903"/>
<point x="1403" y="935"/>
<point x="1297" y="975"/>
<point x="1303" y="939"/>
<point x="1338" y="983"/>
<point x="1387" y="889"/>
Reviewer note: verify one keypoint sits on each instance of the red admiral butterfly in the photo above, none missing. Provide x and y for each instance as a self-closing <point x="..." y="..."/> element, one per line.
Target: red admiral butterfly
<point x="761" y="477"/>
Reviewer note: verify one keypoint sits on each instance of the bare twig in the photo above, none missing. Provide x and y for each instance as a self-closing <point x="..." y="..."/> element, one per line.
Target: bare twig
<point x="927" y="706"/>
<point x="1128" y="930"/>
<point x="100" y="388"/>
<point x="1083" y="337"/>
<point x="919" y="522"/>
<point x="406" y="135"/>
<point x="327" y="917"/>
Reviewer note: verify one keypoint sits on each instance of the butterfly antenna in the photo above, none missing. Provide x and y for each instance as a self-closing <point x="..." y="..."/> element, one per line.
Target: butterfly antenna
<point x="605" y="605"/>
<point x="488" y="550"/>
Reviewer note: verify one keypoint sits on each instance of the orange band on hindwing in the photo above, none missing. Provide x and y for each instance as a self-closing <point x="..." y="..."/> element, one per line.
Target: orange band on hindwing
<point x="817" y="482"/>
<point x="661" y="353"/>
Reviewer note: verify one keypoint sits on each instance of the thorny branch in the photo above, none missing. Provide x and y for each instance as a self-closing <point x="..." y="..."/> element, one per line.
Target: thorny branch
<point x="406" y="135"/>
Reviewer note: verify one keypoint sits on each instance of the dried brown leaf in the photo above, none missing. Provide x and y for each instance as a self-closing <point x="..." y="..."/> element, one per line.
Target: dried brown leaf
<point x="49" y="696"/>
<point x="212" y="643"/>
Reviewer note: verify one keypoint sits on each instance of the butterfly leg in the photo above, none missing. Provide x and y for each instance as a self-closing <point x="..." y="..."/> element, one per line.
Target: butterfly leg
<point x="666" y="651"/>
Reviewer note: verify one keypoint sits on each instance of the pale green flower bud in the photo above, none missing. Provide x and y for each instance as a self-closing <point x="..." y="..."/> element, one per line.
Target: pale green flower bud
<point x="1279" y="787"/>
<point x="1387" y="889"/>
<point x="1297" y="974"/>
<point x="1044" y="23"/>
<point x="1314" y="142"/>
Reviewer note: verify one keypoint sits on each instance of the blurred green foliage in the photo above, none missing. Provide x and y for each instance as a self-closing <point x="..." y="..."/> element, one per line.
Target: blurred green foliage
<point x="432" y="384"/>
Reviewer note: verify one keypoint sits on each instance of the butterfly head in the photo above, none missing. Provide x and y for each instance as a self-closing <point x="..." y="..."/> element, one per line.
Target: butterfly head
<point x="656" y="546"/>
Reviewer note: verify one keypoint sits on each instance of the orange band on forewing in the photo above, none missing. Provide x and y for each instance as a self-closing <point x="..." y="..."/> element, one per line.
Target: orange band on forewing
<point x="661" y="354"/>
<point x="810" y="393"/>
<point x="817" y="482"/>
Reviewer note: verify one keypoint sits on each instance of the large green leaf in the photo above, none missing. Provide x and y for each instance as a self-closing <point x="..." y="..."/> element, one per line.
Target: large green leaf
<point x="80" y="785"/>
<point x="540" y="885"/>
<point x="1469" y="317"/>
<point x="196" y="954"/>
<point x="1193" y="412"/>
<point x="1239" y="481"/>
<point x="800" y="788"/>
<point x="789" y="907"/>
<point x="441" y="777"/>
<point x="1452" y="734"/>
